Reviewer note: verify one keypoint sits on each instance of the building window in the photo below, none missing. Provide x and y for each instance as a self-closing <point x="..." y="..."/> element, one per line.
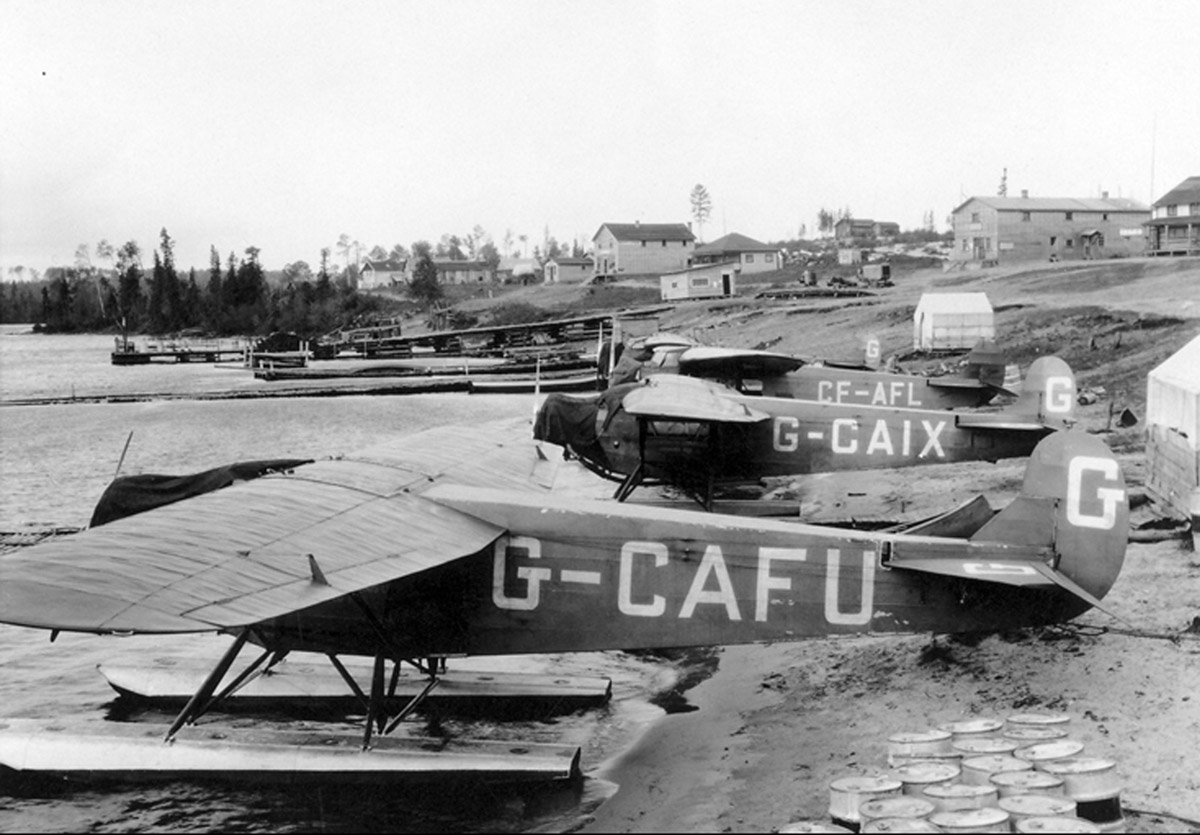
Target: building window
<point x="1194" y="208"/>
<point x="1053" y="240"/>
<point x="664" y="243"/>
<point x="1172" y="210"/>
<point x="749" y="257"/>
<point x="975" y="217"/>
<point x="1070" y="216"/>
<point x="1026" y="216"/>
<point x="1070" y="243"/>
<point x="1104" y="216"/>
<point x="643" y="243"/>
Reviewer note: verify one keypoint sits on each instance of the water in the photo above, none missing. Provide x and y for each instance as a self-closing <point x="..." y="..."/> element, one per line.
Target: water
<point x="55" y="460"/>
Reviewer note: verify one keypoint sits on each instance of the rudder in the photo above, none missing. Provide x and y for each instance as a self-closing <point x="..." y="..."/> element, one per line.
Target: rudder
<point x="1073" y="500"/>
<point x="1048" y="392"/>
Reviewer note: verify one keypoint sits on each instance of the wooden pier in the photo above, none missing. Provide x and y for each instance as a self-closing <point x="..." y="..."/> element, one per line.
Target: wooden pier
<point x="128" y="352"/>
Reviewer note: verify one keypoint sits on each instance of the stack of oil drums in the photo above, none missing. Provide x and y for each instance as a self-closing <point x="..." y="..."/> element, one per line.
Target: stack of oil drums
<point x="1022" y="774"/>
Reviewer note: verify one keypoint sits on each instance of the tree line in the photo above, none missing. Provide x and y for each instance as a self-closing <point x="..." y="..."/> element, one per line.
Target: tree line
<point x="232" y="298"/>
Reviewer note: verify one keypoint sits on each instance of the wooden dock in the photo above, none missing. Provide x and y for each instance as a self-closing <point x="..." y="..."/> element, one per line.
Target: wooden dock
<point x="128" y="352"/>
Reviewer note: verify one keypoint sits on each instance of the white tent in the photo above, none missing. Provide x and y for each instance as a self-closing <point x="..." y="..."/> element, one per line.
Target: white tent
<point x="951" y="321"/>
<point x="1173" y="430"/>
<point x="1173" y="393"/>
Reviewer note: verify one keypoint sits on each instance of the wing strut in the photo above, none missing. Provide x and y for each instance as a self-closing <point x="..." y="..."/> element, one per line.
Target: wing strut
<point x="201" y="697"/>
<point x="704" y="495"/>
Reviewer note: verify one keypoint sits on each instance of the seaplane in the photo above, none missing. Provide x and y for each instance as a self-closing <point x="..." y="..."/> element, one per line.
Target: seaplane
<point x="698" y="434"/>
<point x="454" y="542"/>
<point x="983" y="377"/>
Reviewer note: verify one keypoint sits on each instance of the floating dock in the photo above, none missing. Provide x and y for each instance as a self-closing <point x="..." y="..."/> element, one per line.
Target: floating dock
<point x="117" y="751"/>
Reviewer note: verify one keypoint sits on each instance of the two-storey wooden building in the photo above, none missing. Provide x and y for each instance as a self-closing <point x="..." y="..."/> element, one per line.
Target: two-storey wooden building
<point x="377" y="274"/>
<point x="1010" y="229"/>
<point x="1174" y="225"/>
<point x="621" y="249"/>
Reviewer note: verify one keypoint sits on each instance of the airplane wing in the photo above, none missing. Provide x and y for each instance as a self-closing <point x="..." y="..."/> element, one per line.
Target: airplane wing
<point x="668" y="397"/>
<point x="703" y="361"/>
<point x="271" y="546"/>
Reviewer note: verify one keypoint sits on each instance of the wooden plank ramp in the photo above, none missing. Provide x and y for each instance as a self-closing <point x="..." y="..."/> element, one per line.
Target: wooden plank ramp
<point x="136" y="752"/>
<point x="177" y="681"/>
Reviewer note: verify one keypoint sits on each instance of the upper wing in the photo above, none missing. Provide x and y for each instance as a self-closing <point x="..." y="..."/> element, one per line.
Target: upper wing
<point x="731" y="362"/>
<point x="683" y="398"/>
<point x="245" y="553"/>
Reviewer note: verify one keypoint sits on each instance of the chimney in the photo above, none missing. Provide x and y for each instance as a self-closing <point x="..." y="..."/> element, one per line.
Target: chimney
<point x="1024" y="192"/>
<point x="1104" y="195"/>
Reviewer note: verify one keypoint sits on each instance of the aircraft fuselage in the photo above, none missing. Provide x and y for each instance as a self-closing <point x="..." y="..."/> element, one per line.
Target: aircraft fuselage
<point x="846" y="386"/>
<point x="804" y="437"/>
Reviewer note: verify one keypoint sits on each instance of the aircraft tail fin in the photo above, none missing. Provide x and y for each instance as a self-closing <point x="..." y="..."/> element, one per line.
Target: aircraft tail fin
<point x="1048" y="392"/>
<point x="986" y="363"/>
<point x="872" y="351"/>
<point x="1074" y="503"/>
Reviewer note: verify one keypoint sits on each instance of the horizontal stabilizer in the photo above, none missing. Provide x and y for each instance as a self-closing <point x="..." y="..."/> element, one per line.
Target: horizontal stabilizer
<point x="949" y="382"/>
<point x="1023" y="573"/>
<point x="1000" y="421"/>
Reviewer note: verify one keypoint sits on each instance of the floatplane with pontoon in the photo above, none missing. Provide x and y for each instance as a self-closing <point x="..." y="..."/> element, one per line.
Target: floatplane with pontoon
<point x="452" y="543"/>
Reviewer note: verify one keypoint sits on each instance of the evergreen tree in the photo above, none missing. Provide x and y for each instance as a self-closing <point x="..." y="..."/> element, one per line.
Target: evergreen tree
<point x="215" y="292"/>
<point x="701" y="208"/>
<point x="425" y="287"/>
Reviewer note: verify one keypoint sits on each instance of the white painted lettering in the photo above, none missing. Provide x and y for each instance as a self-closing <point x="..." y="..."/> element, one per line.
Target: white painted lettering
<point x="843" y="391"/>
<point x="881" y="439"/>
<point x="833" y="612"/>
<point x="1109" y="496"/>
<point x="786" y="439"/>
<point x="823" y="391"/>
<point x="879" y="398"/>
<point x="658" y="603"/>
<point x="912" y="395"/>
<point x="932" y="432"/>
<point x="712" y="563"/>
<point x="839" y="445"/>
<point x="1060" y="391"/>
<point x="999" y="569"/>
<point x="533" y="577"/>
<point x="766" y="582"/>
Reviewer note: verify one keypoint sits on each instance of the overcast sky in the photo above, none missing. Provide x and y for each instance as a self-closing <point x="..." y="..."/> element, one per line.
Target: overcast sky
<point x="283" y="125"/>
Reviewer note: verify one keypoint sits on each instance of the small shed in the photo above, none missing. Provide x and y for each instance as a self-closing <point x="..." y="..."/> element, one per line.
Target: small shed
<point x="952" y="321"/>
<point x="704" y="282"/>
<point x="1173" y="430"/>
